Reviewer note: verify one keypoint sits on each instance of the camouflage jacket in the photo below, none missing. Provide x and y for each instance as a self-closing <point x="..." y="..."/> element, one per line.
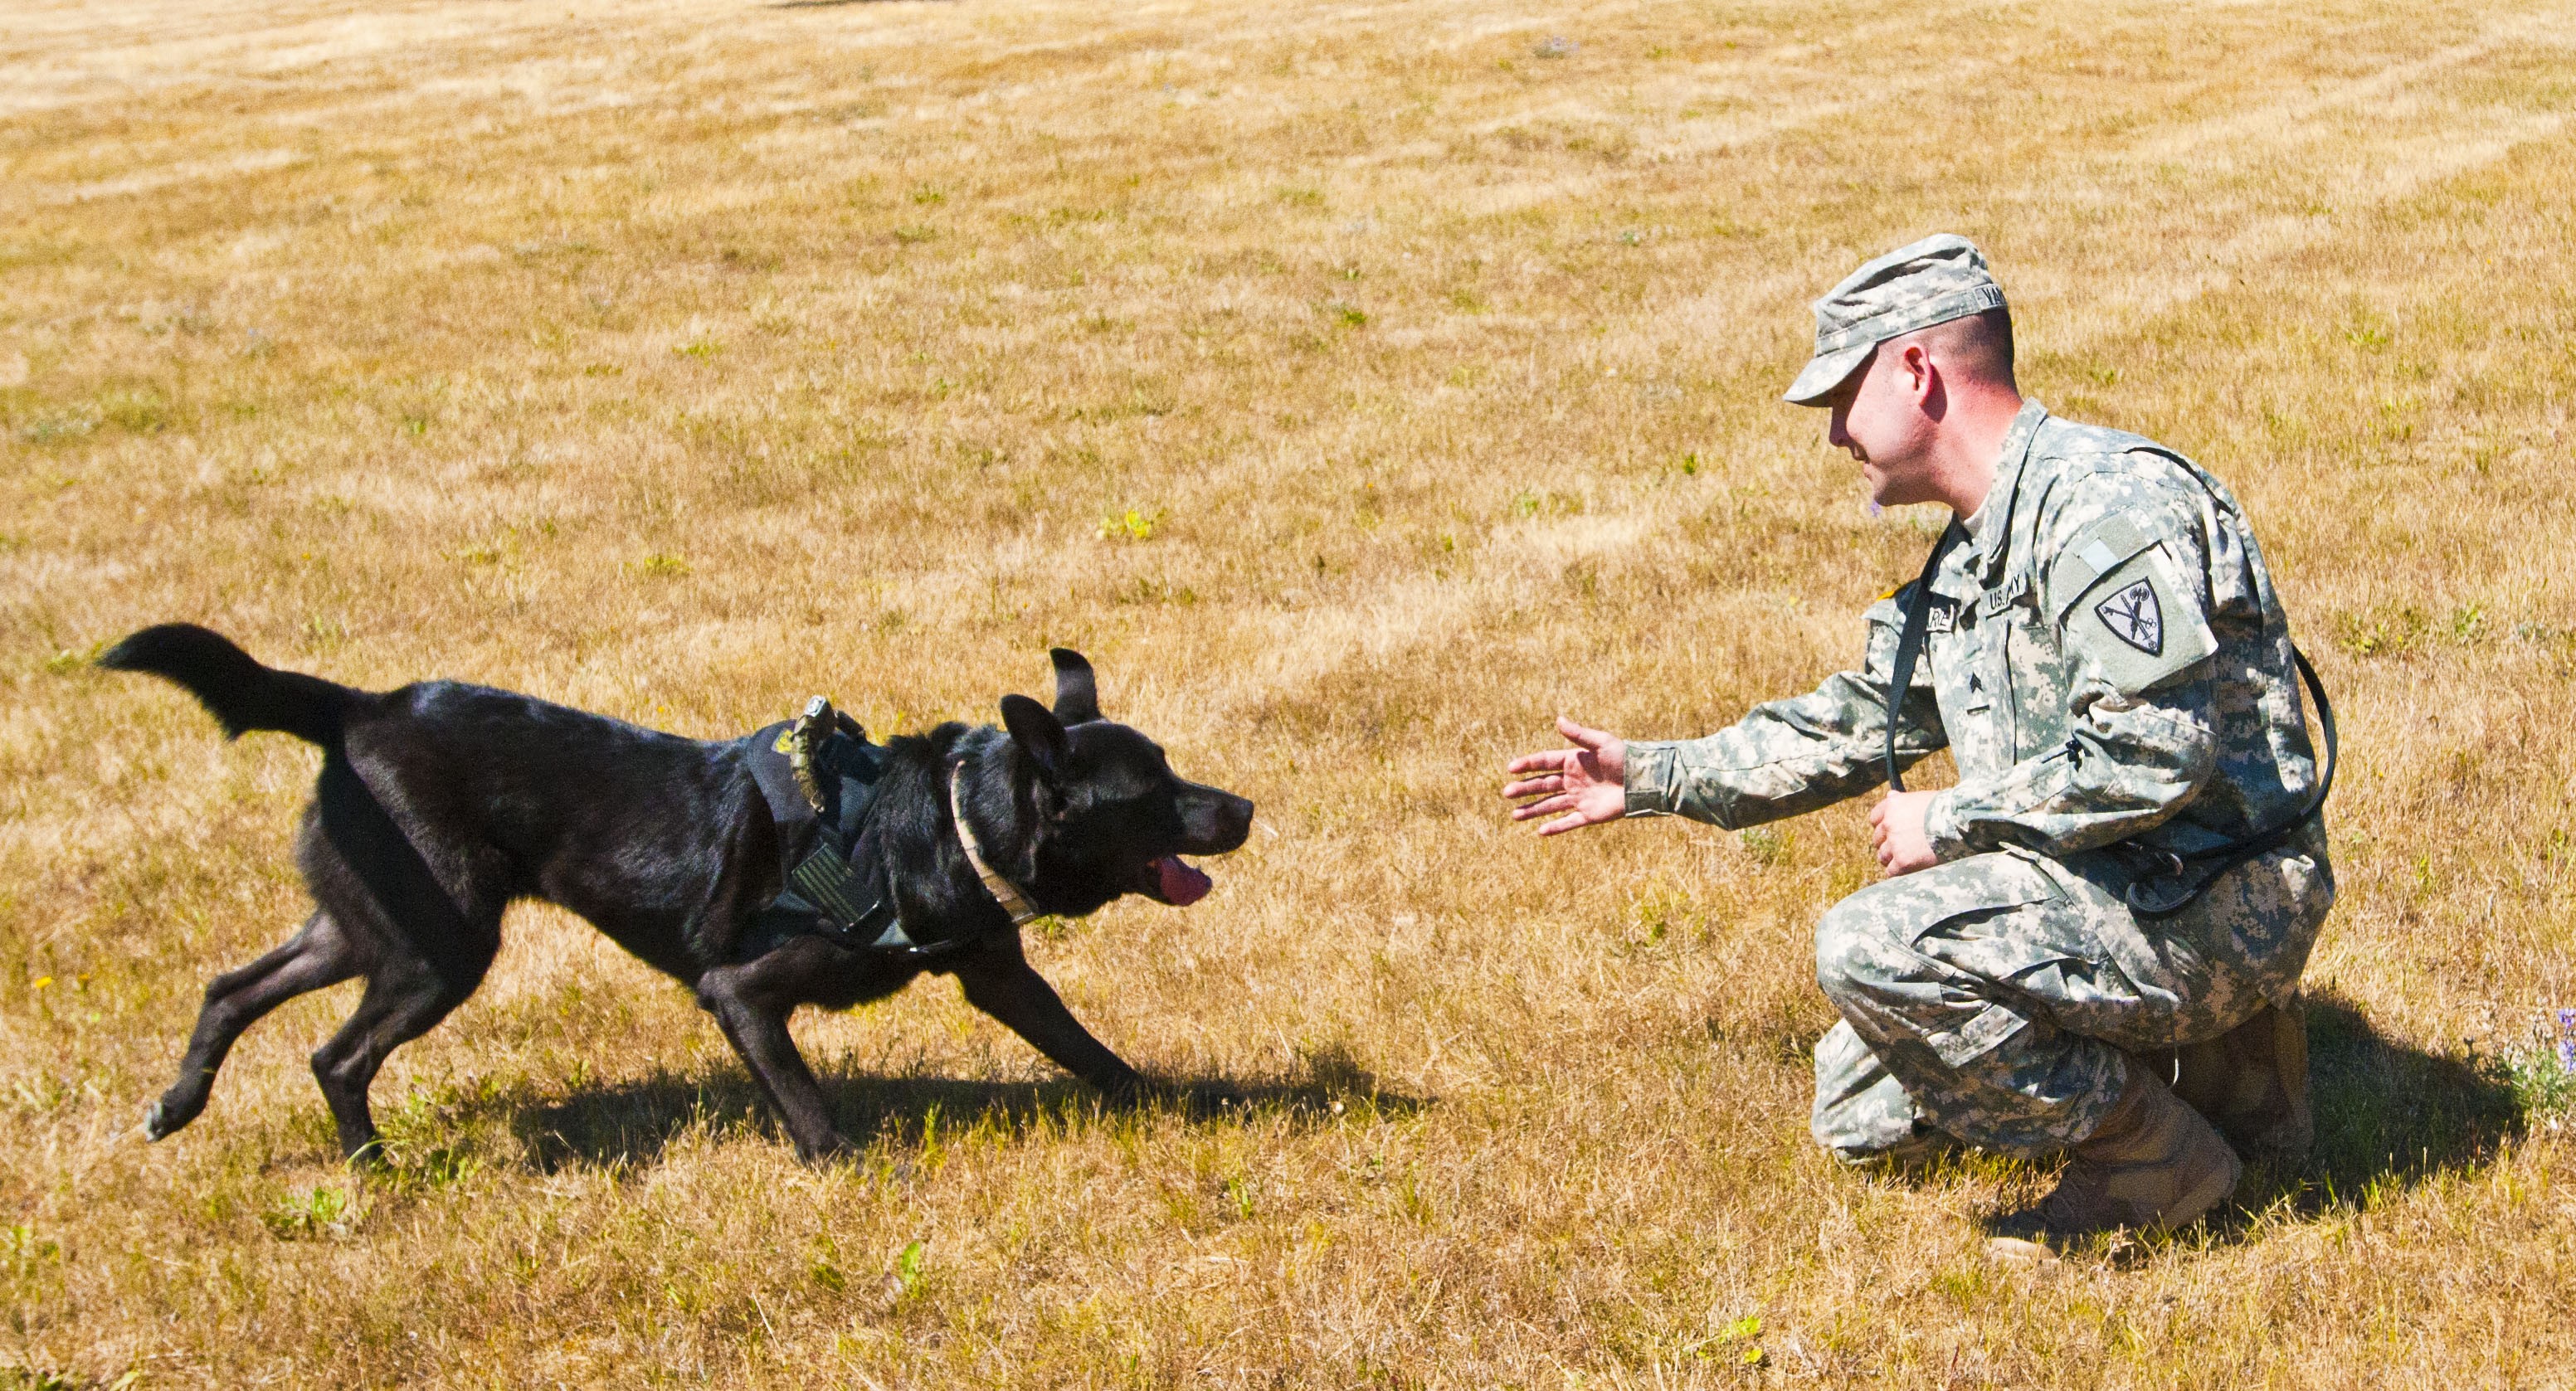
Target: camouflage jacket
<point x="2106" y="660"/>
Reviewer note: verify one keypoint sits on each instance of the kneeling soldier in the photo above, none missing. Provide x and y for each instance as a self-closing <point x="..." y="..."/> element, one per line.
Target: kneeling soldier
<point x="2124" y="884"/>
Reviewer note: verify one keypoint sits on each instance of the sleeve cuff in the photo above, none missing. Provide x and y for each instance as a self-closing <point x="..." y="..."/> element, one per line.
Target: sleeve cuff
<point x="1944" y="828"/>
<point x="1648" y="777"/>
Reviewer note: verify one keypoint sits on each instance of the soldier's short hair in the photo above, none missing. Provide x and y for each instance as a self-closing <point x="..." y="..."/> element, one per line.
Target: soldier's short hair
<point x="1984" y="340"/>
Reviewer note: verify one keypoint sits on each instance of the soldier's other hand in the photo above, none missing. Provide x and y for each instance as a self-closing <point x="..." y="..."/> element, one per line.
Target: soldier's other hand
<point x="1581" y="786"/>
<point x="1896" y="832"/>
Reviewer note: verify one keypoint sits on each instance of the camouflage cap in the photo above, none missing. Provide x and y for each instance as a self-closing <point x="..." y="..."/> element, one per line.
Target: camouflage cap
<point x="1935" y="280"/>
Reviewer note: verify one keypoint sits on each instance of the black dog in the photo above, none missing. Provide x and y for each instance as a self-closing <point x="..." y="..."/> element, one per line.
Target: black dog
<point x="440" y="803"/>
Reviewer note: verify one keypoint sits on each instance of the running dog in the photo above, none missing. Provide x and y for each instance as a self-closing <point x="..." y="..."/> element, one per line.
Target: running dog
<point x="440" y="803"/>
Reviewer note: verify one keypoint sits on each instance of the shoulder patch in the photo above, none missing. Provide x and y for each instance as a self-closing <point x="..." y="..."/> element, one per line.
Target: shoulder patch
<point x="2134" y="617"/>
<point x="2135" y="628"/>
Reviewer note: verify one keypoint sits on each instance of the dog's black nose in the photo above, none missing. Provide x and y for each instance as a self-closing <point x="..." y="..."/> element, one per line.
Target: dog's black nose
<point x="1217" y="822"/>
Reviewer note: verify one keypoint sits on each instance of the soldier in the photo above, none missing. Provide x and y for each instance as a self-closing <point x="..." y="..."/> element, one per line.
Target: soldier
<point x="2106" y="918"/>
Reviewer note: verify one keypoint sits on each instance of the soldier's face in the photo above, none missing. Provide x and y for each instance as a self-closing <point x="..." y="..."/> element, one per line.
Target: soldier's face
<point x="1881" y="416"/>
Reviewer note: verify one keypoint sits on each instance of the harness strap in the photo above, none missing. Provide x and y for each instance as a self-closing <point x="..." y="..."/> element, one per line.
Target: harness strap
<point x="1909" y="644"/>
<point x="1003" y="890"/>
<point x="857" y="911"/>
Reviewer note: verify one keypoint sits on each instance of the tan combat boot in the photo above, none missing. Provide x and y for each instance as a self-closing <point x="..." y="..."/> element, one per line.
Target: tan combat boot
<point x="2153" y="1163"/>
<point x="2252" y="1083"/>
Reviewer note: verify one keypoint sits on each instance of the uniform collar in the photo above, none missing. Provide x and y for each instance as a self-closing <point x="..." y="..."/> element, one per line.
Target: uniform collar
<point x="2002" y="500"/>
<point x="1973" y="565"/>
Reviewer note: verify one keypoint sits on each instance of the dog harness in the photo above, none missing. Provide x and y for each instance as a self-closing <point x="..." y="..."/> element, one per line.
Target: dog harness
<point x="820" y="774"/>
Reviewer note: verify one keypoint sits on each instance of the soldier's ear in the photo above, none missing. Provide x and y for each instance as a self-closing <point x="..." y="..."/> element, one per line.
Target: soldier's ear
<point x="1077" y="697"/>
<point x="1039" y="734"/>
<point x="1921" y="377"/>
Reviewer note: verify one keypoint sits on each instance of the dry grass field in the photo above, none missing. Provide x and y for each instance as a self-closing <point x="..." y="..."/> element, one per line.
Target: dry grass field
<point x="1360" y="384"/>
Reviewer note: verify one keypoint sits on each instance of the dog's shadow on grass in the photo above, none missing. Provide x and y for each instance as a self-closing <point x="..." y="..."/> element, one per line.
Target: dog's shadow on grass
<point x="630" y="1124"/>
<point x="2389" y="1116"/>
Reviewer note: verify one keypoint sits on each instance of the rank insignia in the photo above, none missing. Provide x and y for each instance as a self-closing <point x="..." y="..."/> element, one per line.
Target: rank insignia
<point x="2134" y="617"/>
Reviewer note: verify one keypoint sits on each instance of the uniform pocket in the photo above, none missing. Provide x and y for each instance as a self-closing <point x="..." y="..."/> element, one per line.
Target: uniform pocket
<point x="1994" y="924"/>
<point x="1974" y="890"/>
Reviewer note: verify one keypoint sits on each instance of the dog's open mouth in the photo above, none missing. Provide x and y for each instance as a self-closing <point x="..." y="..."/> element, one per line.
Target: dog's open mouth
<point x="1174" y="882"/>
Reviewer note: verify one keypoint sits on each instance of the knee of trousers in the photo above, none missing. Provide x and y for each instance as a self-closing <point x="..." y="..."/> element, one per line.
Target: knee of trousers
<point x="1858" y="950"/>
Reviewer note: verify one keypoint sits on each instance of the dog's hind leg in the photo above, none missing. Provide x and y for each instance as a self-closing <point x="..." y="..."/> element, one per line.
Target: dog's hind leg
<point x="403" y="1001"/>
<point x="427" y="933"/>
<point x="409" y="989"/>
<point x="317" y="956"/>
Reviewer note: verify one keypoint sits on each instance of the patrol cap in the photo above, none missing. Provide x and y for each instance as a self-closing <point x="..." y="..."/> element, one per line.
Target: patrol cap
<point x="1935" y="280"/>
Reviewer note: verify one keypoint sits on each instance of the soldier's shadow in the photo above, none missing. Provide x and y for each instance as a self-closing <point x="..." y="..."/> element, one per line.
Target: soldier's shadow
<point x="2389" y="1116"/>
<point x="630" y="1124"/>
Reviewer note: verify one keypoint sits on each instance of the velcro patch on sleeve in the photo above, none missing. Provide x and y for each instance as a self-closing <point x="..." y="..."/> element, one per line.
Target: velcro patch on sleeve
<point x="2096" y="551"/>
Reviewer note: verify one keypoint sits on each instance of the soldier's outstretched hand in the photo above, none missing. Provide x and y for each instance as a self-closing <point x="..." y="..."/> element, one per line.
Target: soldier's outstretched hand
<point x="1581" y="786"/>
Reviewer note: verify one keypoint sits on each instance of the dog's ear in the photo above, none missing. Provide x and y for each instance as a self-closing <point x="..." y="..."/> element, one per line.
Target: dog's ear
<point x="1038" y="733"/>
<point x="1077" y="699"/>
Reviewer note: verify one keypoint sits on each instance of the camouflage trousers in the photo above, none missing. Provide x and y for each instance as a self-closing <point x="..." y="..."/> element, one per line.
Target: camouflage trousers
<point x="1991" y="999"/>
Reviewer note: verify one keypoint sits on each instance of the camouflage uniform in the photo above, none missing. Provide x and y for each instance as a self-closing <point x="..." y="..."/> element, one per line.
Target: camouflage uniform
<point x="2111" y="669"/>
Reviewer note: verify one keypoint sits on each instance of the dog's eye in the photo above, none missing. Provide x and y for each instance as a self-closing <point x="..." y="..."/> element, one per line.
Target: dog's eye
<point x="1101" y="802"/>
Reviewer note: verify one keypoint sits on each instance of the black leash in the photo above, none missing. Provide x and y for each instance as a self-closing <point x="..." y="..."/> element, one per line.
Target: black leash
<point x="2191" y="875"/>
<point x="1909" y="643"/>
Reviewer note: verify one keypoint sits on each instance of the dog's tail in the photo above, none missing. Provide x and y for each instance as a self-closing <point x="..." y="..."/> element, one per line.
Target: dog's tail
<point x="241" y="694"/>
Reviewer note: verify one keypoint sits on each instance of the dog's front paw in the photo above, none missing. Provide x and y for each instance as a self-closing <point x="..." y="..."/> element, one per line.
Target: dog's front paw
<point x="1206" y="1100"/>
<point x="832" y="1149"/>
<point x="1126" y="1087"/>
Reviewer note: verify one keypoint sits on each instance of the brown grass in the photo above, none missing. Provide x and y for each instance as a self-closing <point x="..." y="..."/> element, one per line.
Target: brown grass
<point x="681" y="359"/>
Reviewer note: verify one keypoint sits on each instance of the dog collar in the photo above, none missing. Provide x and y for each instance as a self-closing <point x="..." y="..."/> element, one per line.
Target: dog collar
<point x="1003" y="890"/>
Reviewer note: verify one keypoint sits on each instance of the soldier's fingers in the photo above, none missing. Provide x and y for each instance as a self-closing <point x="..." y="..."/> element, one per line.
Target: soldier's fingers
<point x="1534" y="762"/>
<point x="1531" y="787"/>
<point x="1550" y="807"/>
<point x="1573" y="822"/>
<point x="1581" y="734"/>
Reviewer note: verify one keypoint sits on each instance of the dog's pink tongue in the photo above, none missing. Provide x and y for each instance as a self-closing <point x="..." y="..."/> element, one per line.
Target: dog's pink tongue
<point x="1182" y="884"/>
